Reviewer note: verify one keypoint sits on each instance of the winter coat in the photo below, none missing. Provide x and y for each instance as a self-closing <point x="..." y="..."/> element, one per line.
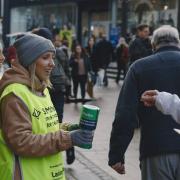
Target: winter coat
<point x="158" y="71"/>
<point x="103" y="53"/>
<point x="139" y="48"/>
<point x="60" y="74"/>
<point x="16" y="124"/>
<point x="122" y="54"/>
<point x="74" y="65"/>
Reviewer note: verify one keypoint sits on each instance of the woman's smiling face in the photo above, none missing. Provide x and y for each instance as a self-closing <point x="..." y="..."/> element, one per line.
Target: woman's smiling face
<point x="44" y="66"/>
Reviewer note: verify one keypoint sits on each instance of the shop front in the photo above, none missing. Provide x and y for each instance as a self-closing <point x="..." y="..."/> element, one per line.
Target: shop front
<point x="95" y="19"/>
<point x="156" y="12"/>
<point x="53" y="16"/>
<point x="25" y="15"/>
<point x="152" y="12"/>
<point x="85" y="18"/>
<point x="95" y="24"/>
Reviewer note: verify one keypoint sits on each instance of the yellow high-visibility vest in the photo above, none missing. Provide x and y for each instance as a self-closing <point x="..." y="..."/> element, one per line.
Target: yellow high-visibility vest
<point x="44" y="120"/>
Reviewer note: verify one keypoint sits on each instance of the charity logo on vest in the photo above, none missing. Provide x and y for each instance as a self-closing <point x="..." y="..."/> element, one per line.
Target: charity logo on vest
<point x="57" y="174"/>
<point x="48" y="110"/>
<point x="51" y="117"/>
<point x="36" y="113"/>
<point x="52" y="123"/>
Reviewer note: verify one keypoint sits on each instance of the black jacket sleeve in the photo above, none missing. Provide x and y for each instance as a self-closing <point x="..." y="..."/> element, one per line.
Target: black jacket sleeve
<point x="125" y="119"/>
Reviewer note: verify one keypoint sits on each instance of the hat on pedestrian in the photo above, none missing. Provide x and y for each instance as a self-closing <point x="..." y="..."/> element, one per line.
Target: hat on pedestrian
<point x="30" y="47"/>
<point x="43" y="32"/>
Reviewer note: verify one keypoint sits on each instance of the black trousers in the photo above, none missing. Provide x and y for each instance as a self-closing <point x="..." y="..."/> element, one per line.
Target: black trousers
<point x="82" y="80"/>
<point x="121" y="66"/>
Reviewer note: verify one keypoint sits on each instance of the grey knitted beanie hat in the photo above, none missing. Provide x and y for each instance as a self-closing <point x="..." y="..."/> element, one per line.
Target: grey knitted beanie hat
<point x="30" y="47"/>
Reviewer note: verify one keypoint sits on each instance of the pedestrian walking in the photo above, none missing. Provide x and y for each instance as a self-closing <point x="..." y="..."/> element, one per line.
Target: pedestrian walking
<point x="103" y="54"/>
<point x="80" y="65"/>
<point x="159" y="143"/>
<point x="141" y="46"/>
<point x="31" y="140"/>
<point x="122" y="57"/>
<point x="89" y="49"/>
<point x="65" y="65"/>
<point x="93" y="76"/>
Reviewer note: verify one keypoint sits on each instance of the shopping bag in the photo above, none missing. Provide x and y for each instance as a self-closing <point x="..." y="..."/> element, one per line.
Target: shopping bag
<point x="89" y="88"/>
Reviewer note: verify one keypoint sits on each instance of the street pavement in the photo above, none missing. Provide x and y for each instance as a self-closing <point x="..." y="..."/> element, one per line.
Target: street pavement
<point x="93" y="164"/>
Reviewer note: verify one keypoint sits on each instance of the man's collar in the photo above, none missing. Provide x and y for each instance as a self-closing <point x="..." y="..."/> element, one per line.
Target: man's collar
<point x="172" y="47"/>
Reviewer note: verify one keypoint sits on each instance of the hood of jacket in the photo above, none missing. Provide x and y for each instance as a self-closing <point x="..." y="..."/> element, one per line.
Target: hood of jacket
<point x="16" y="74"/>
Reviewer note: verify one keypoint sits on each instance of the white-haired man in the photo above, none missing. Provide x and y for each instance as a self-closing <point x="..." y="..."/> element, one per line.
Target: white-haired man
<point x="159" y="144"/>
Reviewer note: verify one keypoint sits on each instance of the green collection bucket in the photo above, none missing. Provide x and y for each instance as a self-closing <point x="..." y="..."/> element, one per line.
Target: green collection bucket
<point x="88" y="119"/>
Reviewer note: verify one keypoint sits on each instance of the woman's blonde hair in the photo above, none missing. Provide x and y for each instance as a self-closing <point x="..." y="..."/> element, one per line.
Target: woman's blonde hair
<point x="36" y="84"/>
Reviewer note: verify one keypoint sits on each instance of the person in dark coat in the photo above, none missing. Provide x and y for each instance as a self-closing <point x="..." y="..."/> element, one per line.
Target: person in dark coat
<point x="80" y="65"/>
<point x="141" y="46"/>
<point x="159" y="143"/>
<point x="103" y="54"/>
<point x="122" y="56"/>
<point x="90" y="53"/>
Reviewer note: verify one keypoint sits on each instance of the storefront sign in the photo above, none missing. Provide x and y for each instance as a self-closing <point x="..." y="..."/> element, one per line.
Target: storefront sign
<point x="114" y="35"/>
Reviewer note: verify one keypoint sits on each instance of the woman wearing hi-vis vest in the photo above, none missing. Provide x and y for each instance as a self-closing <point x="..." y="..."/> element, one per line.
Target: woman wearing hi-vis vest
<point x="31" y="139"/>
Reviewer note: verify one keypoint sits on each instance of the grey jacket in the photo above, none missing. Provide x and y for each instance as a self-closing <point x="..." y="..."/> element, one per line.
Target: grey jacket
<point x="60" y="74"/>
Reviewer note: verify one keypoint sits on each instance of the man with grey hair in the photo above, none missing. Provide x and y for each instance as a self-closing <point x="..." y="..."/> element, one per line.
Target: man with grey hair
<point x="166" y="35"/>
<point x="159" y="143"/>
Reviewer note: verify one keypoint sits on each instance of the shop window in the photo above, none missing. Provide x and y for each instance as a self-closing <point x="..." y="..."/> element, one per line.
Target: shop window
<point x="152" y="12"/>
<point x="52" y="16"/>
<point x="94" y="24"/>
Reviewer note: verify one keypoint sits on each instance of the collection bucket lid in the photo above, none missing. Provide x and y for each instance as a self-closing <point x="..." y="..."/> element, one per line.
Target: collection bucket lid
<point x="91" y="107"/>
